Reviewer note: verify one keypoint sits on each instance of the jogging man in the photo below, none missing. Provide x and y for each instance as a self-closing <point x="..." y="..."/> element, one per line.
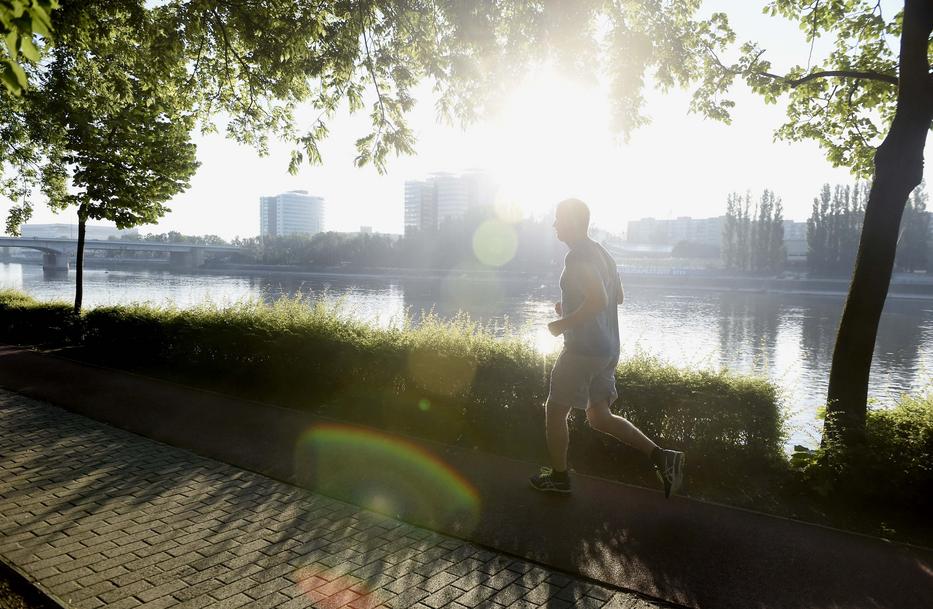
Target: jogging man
<point x="584" y="374"/>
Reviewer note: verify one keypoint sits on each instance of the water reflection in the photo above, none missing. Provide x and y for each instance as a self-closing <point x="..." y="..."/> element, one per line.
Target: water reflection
<point x="786" y="337"/>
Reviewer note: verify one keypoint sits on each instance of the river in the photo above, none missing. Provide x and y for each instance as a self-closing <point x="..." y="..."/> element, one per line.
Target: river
<point x="785" y="337"/>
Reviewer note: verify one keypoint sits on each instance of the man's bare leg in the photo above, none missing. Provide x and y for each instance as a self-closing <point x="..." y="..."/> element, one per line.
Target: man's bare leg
<point x="601" y="419"/>
<point x="558" y="434"/>
<point x="669" y="463"/>
<point x="555" y="480"/>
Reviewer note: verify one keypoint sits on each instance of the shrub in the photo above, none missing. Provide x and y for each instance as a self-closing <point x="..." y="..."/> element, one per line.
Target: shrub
<point x="452" y="381"/>
<point x="896" y="465"/>
<point x="25" y="321"/>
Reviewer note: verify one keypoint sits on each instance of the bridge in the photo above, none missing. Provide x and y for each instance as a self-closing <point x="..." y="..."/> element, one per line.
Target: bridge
<point x="55" y="252"/>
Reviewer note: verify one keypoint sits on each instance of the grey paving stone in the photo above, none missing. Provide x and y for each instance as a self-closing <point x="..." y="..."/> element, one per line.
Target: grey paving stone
<point x="541" y="593"/>
<point x="474" y="596"/>
<point x="510" y="594"/>
<point x="405" y="582"/>
<point x="442" y="597"/>
<point x="438" y="581"/>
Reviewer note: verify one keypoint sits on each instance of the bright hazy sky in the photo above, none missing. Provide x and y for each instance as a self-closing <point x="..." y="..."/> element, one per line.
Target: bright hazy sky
<point x="551" y="140"/>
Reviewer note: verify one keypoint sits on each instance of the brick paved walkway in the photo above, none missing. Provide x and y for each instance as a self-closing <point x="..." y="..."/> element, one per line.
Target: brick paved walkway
<point x="96" y="516"/>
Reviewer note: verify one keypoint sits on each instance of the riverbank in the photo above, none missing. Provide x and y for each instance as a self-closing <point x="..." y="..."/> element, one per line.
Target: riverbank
<point x="908" y="287"/>
<point x="904" y="286"/>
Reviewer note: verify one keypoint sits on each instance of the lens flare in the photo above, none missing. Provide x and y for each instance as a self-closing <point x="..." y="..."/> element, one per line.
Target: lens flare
<point x="494" y="243"/>
<point x="387" y="475"/>
<point x="317" y="583"/>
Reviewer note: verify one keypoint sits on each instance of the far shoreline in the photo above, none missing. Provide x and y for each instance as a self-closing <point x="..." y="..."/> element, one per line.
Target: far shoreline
<point x="920" y="288"/>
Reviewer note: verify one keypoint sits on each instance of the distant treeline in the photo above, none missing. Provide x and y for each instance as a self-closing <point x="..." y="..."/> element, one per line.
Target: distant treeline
<point x="753" y="233"/>
<point x="753" y="238"/>
<point x="480" y="240"/>
<point x="835" y="226"/>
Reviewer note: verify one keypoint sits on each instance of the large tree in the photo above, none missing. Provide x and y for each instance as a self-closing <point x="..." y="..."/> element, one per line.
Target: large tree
<point x="107" y="119"/>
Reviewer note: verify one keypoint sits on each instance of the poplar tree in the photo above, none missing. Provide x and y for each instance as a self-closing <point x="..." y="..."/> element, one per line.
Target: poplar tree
<point x="744" y="234"/>
<point x="819" y="255"/>
<point x="777" y="250"/>
<point x="729" y="232"/>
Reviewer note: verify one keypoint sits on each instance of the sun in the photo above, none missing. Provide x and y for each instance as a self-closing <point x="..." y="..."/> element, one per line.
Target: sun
<point x="551" y="140"/>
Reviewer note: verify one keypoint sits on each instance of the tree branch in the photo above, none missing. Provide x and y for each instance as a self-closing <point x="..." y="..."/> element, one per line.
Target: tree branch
<point x="866" y="75"/>
<point x="371" y="70"/>
<point x="796" y="82"/>
<point x="248" y="73"/>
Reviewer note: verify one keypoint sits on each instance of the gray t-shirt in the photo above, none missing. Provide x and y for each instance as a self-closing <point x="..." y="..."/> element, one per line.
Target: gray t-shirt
<point x="599" y="335"/>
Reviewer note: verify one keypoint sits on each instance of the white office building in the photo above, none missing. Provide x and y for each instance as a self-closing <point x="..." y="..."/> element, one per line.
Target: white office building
<point x="420" y="207"/>
<point x="451" y="196"/>
<point x="291" y="213"/>
<point x="443" y="197"/>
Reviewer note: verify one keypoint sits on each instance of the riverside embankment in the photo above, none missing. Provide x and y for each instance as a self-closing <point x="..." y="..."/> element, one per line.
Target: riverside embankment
<point x="903" y="285"/>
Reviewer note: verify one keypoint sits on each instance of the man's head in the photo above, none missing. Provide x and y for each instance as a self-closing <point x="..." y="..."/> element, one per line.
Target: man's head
<point x="571" y="220"/>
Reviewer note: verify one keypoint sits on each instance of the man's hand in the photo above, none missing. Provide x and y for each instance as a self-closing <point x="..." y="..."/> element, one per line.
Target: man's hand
<point x="558" y="309"/>
<point x="556" y="328"/>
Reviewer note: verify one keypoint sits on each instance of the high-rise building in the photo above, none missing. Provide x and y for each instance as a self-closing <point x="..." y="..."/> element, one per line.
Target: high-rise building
<point x="480" y="189"/>
<point x="291" y="213"/>
<point x="420" y="206"/>
<point x="451" y="196"/>
<point x="443" y="197"/>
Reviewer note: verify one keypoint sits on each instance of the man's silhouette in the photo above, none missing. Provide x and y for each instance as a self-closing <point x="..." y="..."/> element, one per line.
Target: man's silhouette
<point x="584" y="373"/>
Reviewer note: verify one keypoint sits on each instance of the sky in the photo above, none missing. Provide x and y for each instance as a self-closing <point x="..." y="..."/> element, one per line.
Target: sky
<point x="551" y="140"/>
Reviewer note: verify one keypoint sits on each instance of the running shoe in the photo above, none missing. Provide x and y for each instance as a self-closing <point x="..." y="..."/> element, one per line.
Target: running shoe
<point x="671" y="472"/>
<point x="544" y="481"/>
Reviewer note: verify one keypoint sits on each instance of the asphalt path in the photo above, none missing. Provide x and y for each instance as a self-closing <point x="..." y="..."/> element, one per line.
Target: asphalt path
<point x="682" y="551"/>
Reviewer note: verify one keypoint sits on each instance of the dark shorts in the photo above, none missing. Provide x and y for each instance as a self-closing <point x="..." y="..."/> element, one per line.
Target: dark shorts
<point x="578" y="379"/>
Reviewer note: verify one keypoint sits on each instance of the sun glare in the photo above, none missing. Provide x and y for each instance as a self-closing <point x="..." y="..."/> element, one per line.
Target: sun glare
<point x="550" y="138"/>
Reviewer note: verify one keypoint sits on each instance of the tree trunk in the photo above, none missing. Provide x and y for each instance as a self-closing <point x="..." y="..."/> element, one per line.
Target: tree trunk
<point x="898" y="170"/>
<point x="79" y="259"/>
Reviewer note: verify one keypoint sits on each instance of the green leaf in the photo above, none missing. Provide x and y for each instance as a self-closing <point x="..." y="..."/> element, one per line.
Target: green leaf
<point x="11" y="40"/>
<point x="12" y="76"/>
<point x="29" y="49"/>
